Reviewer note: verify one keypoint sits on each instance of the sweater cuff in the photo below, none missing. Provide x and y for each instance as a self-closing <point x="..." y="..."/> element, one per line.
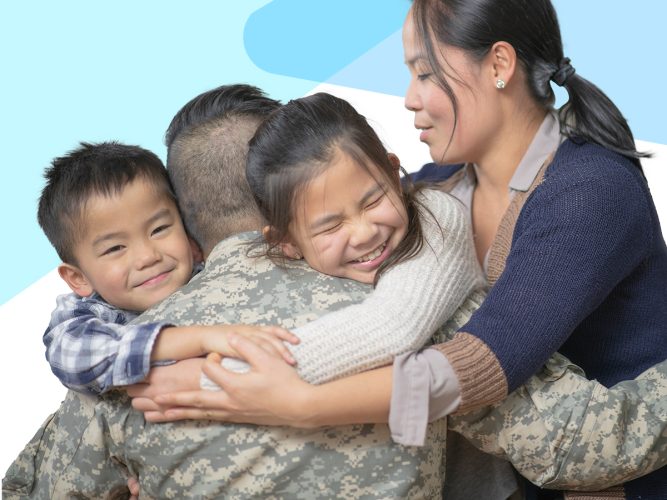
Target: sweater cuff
<point x="608" y="494"/>
<point x="480" y="375"/>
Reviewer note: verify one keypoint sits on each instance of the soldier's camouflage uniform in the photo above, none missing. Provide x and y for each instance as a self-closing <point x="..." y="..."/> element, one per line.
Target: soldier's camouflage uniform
<point x="559" y="430"/>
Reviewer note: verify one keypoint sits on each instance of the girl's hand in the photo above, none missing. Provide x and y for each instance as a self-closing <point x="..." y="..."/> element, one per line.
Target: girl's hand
<point x="269" y="338"/>
<point x="271" y="393"/>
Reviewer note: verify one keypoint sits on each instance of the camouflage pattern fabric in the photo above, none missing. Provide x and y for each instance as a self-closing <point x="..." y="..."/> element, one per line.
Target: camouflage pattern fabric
<point x="211" y="460"/>
<point x="563" y="431"/>
<point x="559" y="430"/>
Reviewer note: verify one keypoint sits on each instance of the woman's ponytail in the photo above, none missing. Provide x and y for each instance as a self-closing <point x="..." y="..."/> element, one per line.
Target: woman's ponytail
<point x="591" y="116"/>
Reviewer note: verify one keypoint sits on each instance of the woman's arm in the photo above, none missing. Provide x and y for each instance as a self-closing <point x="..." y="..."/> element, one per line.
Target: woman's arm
<point x="527" y="428"/>
<point x="576" y="238"/>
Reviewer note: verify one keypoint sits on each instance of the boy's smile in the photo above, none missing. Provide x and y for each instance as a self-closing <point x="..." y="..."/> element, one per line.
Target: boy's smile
<point x="134" y="251"/>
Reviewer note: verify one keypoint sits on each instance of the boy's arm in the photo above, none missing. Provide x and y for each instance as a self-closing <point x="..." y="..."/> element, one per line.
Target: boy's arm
<point x="409" y="303"/>
<point x="91" y="349"/>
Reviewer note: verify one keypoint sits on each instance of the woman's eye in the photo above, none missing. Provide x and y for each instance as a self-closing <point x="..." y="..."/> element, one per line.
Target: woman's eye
<point x="113" y="249"/>
<point x="161" y="228"/>
<point x="423" y="76"/>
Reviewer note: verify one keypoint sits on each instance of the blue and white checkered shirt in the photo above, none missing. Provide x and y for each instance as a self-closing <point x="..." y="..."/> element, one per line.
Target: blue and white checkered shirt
<point x="92" y="349"/>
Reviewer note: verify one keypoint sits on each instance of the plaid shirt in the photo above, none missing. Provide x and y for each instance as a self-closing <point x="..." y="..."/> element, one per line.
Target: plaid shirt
<point x="92" y="349"/>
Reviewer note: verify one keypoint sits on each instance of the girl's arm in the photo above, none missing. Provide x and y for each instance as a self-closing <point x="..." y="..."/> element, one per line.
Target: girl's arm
<point x="409" y="303"/>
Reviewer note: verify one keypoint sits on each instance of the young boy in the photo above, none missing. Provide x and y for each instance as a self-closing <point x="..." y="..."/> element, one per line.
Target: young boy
<point x="109" y="211"/>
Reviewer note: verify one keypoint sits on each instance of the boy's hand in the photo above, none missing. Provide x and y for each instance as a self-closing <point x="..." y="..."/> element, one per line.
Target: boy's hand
<point x="269" y="338"/>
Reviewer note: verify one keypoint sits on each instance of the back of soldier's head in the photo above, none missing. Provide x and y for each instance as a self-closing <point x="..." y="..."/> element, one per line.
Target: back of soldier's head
<point x="207" y="144"/>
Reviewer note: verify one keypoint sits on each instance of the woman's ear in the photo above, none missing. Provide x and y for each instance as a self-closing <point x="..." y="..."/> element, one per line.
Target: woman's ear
<point x="287" y="247"/>
<point x="75" y="279"/>
<point x="502" y="61"/>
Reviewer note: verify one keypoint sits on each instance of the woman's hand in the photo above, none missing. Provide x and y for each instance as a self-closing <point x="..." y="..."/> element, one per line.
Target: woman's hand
<point x="271" y="393"/>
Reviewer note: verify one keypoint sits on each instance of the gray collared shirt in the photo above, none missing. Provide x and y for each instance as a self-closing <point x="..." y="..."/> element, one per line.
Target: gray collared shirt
<point x="546" y="141"/>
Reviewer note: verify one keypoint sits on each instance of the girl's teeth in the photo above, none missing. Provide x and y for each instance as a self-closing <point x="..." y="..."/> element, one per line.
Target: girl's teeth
<point x="370" y="256"/>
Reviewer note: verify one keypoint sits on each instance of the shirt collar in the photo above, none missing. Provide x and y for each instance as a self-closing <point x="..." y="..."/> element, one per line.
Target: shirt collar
<point x="546" y="141"/>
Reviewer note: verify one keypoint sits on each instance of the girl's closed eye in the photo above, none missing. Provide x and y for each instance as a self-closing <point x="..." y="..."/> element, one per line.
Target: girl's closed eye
<point x="329" y="229"/>
<point x="424" y="76"/>
<point x="376" y="202"/>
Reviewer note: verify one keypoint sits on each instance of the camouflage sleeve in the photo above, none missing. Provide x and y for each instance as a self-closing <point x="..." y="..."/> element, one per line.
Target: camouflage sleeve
<point x="70" y="456"/>
<point x="563" y="431"/>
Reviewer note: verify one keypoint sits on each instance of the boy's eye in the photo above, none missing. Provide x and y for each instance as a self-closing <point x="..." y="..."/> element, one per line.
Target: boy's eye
<point x="160" y="229"/>
<point x="113" y="249"/>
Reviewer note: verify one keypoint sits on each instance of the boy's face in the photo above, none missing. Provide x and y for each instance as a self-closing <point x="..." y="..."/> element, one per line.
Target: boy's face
<point x="134" y="251"/>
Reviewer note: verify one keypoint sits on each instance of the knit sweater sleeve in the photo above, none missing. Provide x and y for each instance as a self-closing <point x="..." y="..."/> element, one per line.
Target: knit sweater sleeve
<point x="579" y="234"/>
<point x="409" y="303"/>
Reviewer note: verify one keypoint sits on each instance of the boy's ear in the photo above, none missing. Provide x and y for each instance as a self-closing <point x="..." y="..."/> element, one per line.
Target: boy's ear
<point x="287" y="247"/>
<point x="75" y="279"/>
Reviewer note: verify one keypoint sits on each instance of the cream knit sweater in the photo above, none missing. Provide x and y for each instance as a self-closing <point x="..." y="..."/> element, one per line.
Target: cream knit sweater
<point x="411" y="300"/>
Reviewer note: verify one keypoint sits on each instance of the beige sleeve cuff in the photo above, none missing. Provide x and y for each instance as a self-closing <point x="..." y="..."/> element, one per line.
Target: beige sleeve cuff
<point x="481" y="378"/>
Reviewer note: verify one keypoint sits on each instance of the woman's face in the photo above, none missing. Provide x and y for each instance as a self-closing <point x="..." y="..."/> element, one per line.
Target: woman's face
<point x="474" y="87"/>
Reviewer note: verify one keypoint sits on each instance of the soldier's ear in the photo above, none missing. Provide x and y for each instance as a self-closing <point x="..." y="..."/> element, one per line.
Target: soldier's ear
<point x="197" y="253"/>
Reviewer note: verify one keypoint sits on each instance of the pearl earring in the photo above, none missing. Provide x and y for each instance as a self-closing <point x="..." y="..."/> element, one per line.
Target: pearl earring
<point x="500" y="83"/>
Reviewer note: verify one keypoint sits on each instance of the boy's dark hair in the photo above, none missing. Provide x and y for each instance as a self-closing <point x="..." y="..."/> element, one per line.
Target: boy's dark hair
<point x="298" y="142"/>
<point x="91" y="169"/>
<point x="207" y="143"/>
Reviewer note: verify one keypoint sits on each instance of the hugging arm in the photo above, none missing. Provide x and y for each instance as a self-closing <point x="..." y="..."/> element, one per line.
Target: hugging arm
<point x="560" y="430"/>
<point x="91" y="349"/>
<point x="409" y="303"/>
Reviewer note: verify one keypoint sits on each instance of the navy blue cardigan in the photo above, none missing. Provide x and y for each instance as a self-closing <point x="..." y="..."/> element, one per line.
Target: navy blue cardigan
<point x="586" y="275"/>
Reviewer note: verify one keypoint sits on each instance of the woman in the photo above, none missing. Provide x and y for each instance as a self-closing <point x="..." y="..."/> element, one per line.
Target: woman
<point x="564" y="224"/>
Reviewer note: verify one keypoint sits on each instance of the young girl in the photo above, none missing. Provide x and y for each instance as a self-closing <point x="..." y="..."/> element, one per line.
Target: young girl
<point x="331" y="195"/>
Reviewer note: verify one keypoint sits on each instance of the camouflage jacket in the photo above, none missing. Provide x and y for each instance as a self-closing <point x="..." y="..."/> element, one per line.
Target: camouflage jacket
<point x="559" y="430"/>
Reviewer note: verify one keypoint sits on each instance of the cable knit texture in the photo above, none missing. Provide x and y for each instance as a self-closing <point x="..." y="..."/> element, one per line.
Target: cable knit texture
<point x="409" y="303"/>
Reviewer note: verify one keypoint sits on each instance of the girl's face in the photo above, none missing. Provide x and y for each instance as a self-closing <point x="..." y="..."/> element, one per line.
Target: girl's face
<point x="347" y="221"/>
<point x="473" y="85"/>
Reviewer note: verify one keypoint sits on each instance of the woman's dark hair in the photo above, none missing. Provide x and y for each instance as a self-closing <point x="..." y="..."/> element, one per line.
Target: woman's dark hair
<point x="296" y="143"/>
<point x="531" y="27"/>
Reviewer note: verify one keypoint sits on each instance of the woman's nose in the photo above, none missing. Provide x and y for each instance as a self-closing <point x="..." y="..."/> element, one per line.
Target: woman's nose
<point x="411" y="101"/>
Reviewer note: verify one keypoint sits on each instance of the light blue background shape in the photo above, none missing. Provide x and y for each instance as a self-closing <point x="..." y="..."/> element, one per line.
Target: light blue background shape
<point x="91" y="71"/>
<point x="81" y="70"/>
